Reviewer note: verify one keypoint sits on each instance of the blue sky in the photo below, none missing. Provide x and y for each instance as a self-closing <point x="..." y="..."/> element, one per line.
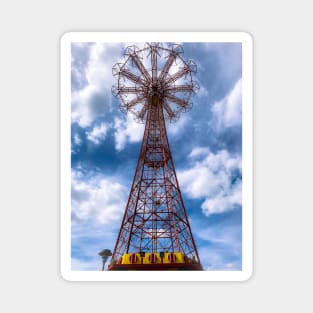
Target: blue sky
<point x="205" y="143"/>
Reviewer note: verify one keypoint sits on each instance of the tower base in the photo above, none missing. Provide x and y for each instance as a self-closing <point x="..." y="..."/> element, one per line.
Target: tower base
<point x="160" y="261"/>
<point x="156" y="267"/>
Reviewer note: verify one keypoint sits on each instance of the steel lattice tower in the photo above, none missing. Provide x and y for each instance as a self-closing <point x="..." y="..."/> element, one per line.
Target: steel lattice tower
<point x="155" y="83"/>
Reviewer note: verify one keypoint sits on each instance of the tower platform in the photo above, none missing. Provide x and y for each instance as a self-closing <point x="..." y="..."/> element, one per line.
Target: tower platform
<point x="161" y="261"/>
<point x="156" y="267"/>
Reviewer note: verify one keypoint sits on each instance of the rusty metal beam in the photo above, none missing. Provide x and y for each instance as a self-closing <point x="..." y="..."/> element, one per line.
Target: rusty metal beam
<point x="134" y="78"/>
<point x="154" y="64"/>
<point x="185" y="70"/>
<point x="140" y="66"/>
<point x="167" y="108"/>
<point x="132" y="90"/>
<point x="168" y="64"/>
<point x="142" y="112"/>
<point x="180" y="88"/>
<point x="135" y="101"/>
<point x="179" y="101"/>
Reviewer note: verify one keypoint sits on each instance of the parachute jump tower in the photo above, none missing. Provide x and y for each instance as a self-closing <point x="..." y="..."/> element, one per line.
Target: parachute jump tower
<point x="155" y="84"/>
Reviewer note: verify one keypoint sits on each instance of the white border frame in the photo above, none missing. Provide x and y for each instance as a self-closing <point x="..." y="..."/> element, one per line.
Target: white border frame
<point x="247" y="156"/>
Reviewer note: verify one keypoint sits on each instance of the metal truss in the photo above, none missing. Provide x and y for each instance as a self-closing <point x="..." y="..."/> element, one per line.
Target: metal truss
<point x="155" y="84"/>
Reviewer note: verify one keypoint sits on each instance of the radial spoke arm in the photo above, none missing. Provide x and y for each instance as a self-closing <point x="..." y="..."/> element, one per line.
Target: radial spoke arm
<point x="187" y="88"/>
<point x="122" y="90"/>
<point x="168" y="65"/>
<point x="142" y="112"/>
<point x="177" y="100"/>
<point x="140" y="66"/>
<point x="168" y="109"/>
<point x="185" y="70"/>
<point x="154" y="64"/>
<point x="134" y="78"/>
<point x="135" y="101"/>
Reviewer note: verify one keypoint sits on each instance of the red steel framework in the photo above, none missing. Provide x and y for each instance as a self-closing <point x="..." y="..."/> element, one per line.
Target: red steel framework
<point x="155" y="83"/>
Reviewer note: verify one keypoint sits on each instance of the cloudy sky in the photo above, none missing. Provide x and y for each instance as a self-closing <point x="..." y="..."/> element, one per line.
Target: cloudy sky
<point x="205" y="143"/>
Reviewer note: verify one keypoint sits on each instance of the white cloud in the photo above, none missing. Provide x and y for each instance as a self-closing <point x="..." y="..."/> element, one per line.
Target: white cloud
<point x="93" y="100"/>
<point x="98" y="133"/>
<point x="223" y="201"/>
<point x="86" y="265"/>
<point x="199" y="152"/>
<point x="225" y="248"/>
<point x="199" y="181"/>
<point x="76" y="142"/>
<point x="82" y="111"/>
<point x="203" y="92"/>
<point x="214" y="260"/>
<point x="88" y="238"/>
<point x="227" y="111"/>
<point x="176" y="127"/>
<point x="211" y="179"/>
<point x="77" y="139"/>
<point x="99" y="199"/>
<point x="228" y="58"/>
<point x="127" y="131"/>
